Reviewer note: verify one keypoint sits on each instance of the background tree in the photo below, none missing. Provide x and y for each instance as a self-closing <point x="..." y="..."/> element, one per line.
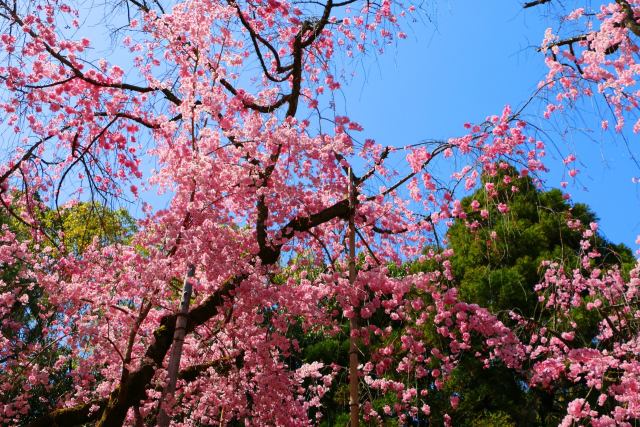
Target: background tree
<point x="29" y="314"/>
<point x="510" y="227"/>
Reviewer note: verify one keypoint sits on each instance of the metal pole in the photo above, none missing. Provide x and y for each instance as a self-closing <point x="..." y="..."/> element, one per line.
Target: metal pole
<point x="354" y="399"/>
<point x="176" y="347"/>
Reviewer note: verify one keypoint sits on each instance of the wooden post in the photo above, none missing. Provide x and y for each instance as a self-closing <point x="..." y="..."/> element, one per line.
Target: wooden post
<point x="354" y="398"/>
<point x="176" y="347"/>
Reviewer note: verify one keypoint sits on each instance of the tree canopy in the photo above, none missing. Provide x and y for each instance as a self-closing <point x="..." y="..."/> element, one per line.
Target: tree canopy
<point x="282" y="223"/>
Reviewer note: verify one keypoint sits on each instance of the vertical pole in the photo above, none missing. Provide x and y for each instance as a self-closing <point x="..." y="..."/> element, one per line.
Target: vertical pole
<point x="354" y="399"/>
<point x="176" y="347"/>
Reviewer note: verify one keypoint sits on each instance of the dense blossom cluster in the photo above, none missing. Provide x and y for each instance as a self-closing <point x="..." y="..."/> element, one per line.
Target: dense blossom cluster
<point x="608" y="363"/>
<point x="601" y="59"/>
<point x="230" y="101"/>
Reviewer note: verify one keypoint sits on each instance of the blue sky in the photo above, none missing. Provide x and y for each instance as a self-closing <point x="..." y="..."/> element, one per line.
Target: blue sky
<point x="463" y="61"/>
<point x="467" y="63"/>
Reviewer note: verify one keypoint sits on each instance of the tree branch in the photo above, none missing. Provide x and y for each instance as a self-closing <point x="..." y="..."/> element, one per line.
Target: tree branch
<point x="534" y="3"/>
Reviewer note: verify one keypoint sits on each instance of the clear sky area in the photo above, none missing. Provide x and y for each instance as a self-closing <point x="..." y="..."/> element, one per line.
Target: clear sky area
<point x="463" y="61"/>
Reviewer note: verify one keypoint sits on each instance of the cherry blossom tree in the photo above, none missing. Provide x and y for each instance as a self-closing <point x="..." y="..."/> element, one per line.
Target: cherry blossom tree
<point x="232" y="103"/>
<point x="598" y="59"/>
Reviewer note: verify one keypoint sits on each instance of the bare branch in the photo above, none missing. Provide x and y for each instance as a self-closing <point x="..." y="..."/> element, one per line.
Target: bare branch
<point x="534" y="3"/>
